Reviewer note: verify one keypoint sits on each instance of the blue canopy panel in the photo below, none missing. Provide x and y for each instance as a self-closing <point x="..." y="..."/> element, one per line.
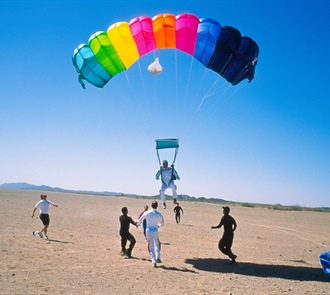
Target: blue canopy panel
<point x="207" y="36"/>
<point x="325" y="262"/>
<point x="88" y="67"/>
<point x="168" y="143"/>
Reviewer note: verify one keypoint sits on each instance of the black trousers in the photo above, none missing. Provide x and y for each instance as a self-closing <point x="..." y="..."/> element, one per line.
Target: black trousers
<point x="127" y="237"/>
<point x="225" y="244"/>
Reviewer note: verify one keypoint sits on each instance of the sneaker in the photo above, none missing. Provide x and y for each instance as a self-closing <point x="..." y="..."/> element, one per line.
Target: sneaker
<point x="158" y="261"/>
<point x="127" y="256"/>
<point x="164" y="205"/>
<point x="46" y="238"/>
<point x="40" y="234"/>
<point x="233" y="258"/>
<point x="122" y="253"/>
<point x="154" y="265"/>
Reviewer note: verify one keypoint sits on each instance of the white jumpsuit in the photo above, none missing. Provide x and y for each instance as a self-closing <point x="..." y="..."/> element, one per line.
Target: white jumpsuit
<point x="154" y="220"/>
<point x="167" y="181"/>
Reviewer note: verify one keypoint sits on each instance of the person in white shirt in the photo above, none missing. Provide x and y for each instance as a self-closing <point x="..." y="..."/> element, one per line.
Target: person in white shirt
<point x="167" y="175"/>
<point x="154" y="221"/>
<point x="43" y="206"/>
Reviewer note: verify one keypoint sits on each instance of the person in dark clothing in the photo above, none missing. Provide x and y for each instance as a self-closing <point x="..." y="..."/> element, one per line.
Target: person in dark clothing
<point x="125" y="221"/>
<point x="177" y="212"/>
<point x="229" y="224"/>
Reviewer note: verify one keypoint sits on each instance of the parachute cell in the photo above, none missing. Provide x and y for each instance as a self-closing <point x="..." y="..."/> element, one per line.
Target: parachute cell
<point x="105" y="53"/>
<point x="207" y="36"/>
<point x="143" y="34"/>
<point x="229" y="39"/>
<point x="221" y="49"/>
<point x="164" y="30"/>
<point x="89" y="68"/>
<point x="122" y="40"/>
<point x="186" y="32"/>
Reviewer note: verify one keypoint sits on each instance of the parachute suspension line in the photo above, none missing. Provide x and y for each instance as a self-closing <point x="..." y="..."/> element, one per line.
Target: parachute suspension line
<point x="222" y="88"/>
<point x="154" y="100"/>
<point x="227" y="97"/>
<point x="130" y="85"/>
<point x="120" y="90"/>
<point x="141" y="76"/>
<point x="226" y="64"/>
<point x="144" y="117"/>
<point x="160" y="164"/>
<point x="176" y="152"/>
<point x="239" y="76"/>
<point x="207" y="94"/>
<point x="188" y="83"/>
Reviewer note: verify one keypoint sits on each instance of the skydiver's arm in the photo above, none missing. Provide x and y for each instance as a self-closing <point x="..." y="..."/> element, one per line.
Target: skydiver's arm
<point x="158" y="174"/>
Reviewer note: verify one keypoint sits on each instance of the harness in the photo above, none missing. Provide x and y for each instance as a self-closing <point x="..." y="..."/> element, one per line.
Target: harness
<point x="173" y="177"/>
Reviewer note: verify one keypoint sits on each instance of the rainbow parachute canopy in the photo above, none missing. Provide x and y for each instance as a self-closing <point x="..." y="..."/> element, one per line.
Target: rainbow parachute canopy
<point x="221" y="49"/>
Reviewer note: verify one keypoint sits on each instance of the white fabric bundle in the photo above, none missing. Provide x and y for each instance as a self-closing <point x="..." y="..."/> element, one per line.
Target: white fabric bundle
<point x="155" y="68"/>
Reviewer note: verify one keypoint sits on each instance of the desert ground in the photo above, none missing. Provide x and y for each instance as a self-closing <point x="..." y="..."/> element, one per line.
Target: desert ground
<point x="278" y="251"/>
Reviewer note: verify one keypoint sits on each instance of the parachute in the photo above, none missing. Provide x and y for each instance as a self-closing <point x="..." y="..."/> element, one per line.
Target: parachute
<point x="167" y="144"/>
<point x="221" y="49"/>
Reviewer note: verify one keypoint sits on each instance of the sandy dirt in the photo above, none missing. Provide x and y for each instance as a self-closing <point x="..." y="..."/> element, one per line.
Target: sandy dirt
<point x="278" y="251"/>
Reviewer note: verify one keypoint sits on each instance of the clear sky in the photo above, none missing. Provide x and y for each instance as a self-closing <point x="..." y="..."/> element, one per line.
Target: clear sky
<point x="267" y="141"/>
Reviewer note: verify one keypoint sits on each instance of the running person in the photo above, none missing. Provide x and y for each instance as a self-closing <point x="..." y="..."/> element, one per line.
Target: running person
<point x="43" y="206"/>
<point x="125" y="221"/>
<point x="177" y="210"/>
<point x="229" y="224"/>
<point x="154" y="220"/>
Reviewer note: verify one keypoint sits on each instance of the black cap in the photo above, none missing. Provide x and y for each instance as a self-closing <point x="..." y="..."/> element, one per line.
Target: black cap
<point x="226" y="208"/>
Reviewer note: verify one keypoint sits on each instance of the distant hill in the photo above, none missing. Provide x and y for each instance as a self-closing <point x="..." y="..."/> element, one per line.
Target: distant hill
<point x="27" y="186"/>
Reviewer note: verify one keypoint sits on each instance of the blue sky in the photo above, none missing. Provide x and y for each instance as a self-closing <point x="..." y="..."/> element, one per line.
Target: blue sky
<point x="267" y="141"/>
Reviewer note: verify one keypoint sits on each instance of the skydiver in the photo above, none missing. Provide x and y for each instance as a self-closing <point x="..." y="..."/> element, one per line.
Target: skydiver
<point x="167" y="175"/>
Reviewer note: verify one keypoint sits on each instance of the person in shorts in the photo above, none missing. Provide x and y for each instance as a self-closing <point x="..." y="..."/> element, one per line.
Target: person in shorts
<point x="43" y="206"/>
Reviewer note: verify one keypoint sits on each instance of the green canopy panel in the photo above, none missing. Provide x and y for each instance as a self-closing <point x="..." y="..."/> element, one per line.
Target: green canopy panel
<point x="167" y="143"/>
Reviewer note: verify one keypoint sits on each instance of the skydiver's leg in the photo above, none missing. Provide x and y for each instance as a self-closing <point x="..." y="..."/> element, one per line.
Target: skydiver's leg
<point x="174" y="193"/>
<point x="162" y="193"/>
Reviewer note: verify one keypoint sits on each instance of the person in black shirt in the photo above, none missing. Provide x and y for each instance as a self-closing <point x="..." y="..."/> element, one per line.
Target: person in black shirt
<point x="177" y="210"/>
<point x="125" y="221"/>
<point x="229" y="224"/>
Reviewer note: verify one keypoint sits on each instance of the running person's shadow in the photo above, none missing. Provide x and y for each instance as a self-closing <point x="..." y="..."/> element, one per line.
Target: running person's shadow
<point x="288" y="272"/>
